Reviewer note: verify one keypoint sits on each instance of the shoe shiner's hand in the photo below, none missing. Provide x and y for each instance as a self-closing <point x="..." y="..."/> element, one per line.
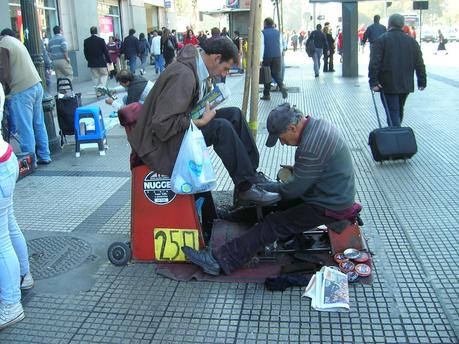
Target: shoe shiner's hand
<point x="284" y="173"/>
<point x="109" y="101"/>
<point x="207" y="116"/>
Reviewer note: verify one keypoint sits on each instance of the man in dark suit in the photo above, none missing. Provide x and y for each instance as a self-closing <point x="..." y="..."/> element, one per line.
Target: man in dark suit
<point x="394" y="58"/>
<point x="96" y="53"/>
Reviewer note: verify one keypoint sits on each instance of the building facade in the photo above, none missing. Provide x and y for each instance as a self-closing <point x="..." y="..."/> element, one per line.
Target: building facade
<point x="112" y="17"/>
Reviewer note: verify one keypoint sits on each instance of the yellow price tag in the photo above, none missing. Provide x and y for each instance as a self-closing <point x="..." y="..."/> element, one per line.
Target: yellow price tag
<point x="169" y="242"/>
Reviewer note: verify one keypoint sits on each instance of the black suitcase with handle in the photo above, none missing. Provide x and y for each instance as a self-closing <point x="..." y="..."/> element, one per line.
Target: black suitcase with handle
<point x="391" y="143"/>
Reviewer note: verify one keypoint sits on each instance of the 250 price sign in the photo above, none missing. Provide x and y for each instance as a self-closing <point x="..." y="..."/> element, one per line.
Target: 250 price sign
<point x="168" y="243"/>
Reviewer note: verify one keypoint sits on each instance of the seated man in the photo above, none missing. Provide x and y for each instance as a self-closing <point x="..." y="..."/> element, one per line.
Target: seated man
<point x="137" y="88"/>
<point x="322" y="188"/>
<point x="165" y="117"/>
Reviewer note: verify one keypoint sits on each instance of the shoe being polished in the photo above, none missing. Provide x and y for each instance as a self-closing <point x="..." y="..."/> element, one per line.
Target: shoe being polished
<point x="257" y="196"/>
<point x="204" y="259"/>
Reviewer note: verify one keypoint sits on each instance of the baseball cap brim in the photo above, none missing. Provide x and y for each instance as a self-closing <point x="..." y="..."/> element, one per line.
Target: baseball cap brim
<point x="272" y="140"/>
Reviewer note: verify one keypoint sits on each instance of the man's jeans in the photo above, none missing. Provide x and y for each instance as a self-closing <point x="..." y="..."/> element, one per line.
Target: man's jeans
<point x="159" y="63"/>
<point x="396" y="104"/>
<point x="14" y="258"/>
<point x="316" y="58"/>
<point x="132" y="64"/>
<point x="26" y="111"/>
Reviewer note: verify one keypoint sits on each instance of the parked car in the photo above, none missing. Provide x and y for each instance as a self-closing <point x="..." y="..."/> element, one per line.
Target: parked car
<point x="428" y="36"/>
<point x="452" y="35"/>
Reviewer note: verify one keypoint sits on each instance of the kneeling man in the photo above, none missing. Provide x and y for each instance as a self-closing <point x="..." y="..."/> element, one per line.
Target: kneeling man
<point x="321" y="190"/>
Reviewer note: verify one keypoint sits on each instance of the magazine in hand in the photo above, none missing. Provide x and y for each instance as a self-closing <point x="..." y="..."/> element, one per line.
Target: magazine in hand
<point x="215" y="97"/>
<point x="329" y="291"/>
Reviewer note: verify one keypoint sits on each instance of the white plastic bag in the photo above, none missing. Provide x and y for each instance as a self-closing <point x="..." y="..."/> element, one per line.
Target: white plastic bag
<point x="193" y="171"/>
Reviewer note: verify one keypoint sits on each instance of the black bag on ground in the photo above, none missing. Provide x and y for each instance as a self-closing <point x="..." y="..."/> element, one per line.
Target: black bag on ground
<point x="265" y="75"/>
<point x="65" y="106"/>
<point x="391" y="143"/>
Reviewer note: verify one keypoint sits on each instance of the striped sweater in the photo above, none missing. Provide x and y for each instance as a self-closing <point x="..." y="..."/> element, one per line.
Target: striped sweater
<point x="323" y="173"/>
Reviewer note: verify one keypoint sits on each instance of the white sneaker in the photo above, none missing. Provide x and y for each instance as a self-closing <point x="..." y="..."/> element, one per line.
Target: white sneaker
<point x="10" y="314"/>
<point x="27" y="281"/>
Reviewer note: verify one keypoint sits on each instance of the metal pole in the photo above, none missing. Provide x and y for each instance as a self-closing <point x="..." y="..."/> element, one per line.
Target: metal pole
<point x="254" y="96"/>
<point x="278" y="17"/>
<point x="32" y="42"/>
<point x="420" y="28"/>
<point x="248" y="71"/>
<point x="32" y="37"/>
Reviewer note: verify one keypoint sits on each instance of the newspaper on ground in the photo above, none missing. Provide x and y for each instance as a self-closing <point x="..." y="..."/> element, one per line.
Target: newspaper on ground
<point x="328" y="290"/>
<point x="218" y="95"/>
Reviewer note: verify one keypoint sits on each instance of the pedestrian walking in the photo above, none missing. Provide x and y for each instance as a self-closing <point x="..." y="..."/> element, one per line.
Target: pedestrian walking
<point x="328" y="54"/>
<point x="394" y="58"/>
<point x="131" y="49"/>
<point x="156" y="51"/>
<point x="58" y="53"/>
<point x="23" y="84"/>
<point x="114" y="52"/>
<point x="202" y="38"/>
<point x="167" y="47"/>
<point x="373" y="31"/>
<point x="190" y="38"/>
<point x="294" y="40"/>
<point x="318" y="38"/>
<point x="14" y="259"/>
<point x="96" y="53"/>
<point x="272" y="57"/>
<point x="441" y="43"/>
<point x="144" y="48"/>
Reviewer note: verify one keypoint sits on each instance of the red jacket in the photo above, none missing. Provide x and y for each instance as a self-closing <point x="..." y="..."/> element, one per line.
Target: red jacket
<point x="193" y="40"/>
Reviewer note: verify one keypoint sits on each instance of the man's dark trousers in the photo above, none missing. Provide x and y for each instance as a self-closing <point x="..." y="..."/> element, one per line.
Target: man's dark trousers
<point x="395" y="104"/>
<point x="275" y="64"/>
<point x="280" y="225"/>
<point x="233" y="142"/>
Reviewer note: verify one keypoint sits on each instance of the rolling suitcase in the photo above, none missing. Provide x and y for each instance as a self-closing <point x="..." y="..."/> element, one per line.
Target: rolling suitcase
<point x="391" y="143"/>
<point x="66" y="103"/>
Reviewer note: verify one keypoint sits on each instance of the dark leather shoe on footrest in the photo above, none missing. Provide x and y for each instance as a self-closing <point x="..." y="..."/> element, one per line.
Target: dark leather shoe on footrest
<point x="257" y="196"/>
<point x="204" y="259"/>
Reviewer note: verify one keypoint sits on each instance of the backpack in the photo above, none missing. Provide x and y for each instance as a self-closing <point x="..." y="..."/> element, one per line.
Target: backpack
<point x="310" y="47"/>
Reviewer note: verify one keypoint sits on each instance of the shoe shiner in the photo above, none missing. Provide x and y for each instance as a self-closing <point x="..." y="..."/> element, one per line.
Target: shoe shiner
<point x="137" y="88"/>
<point x="14" y="258"/>
<point x="320" y="190"/>
<point x="165" y="117"/>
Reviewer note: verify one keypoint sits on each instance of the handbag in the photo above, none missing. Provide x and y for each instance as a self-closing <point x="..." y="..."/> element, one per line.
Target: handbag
<point x="193" y="172"/>
<point x="265" y="75"/>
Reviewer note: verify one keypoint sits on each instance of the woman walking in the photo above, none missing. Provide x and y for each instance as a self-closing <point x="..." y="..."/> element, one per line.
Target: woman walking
<point x="441" y="43"/>
<point x="167" y="48"/>
<point x="144" y="48"/>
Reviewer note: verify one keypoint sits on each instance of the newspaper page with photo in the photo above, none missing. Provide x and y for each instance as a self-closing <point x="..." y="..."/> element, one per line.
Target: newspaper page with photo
<point x="329" y="291"/>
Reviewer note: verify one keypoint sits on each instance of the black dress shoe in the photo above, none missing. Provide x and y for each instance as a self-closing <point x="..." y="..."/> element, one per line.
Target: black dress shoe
<point x="204" y="259"/>
<point x="266" y="98"/>
<point x="257" y="196"/>
<point x="260" y="178"/>
<point x="44" y="162"/>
